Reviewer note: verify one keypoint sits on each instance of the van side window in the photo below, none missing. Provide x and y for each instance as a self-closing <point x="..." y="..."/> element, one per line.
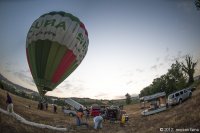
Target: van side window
<point x="181" y="92"/>
<point x="177" y="94"/>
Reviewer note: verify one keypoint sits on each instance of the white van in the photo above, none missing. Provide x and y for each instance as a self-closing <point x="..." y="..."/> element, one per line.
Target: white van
<point x="179" y="96"/>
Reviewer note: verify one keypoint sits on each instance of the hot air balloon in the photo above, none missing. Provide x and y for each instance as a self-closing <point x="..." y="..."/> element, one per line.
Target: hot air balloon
<point x="56" y="44"/>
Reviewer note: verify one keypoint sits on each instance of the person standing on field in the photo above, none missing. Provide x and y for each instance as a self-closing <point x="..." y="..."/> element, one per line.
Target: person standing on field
<point x="9" y="103"/>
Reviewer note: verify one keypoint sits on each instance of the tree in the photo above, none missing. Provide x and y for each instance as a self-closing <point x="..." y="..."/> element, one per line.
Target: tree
<point x="197" y="4"/>
<point x="110" y="102"/>
<point x="128" y="98"/>
<point x="1" y="86"/>
<point x="173" y="80"/>
<point x="175" y="77"/>
<point x="189" y="68"/>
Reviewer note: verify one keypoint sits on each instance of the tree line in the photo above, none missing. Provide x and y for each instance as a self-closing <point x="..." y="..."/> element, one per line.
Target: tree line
<point x="179" y="76"/>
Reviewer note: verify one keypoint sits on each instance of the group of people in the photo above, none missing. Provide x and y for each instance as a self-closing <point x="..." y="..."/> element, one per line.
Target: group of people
<point x="41" y="106"/>
<point x="79" y="118"/>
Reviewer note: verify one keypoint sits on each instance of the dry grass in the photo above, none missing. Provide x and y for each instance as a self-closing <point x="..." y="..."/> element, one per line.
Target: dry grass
<point x="186" y="115"/>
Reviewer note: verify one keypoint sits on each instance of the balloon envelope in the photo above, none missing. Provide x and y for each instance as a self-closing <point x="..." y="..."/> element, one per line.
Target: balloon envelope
<point x="56" y="44"/>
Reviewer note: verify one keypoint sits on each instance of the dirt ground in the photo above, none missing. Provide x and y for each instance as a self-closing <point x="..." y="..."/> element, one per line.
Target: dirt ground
<point x="186" y="115"/>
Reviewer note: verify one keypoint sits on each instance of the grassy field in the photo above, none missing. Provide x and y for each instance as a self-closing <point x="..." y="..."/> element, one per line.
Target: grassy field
<point x="186" y="115"/>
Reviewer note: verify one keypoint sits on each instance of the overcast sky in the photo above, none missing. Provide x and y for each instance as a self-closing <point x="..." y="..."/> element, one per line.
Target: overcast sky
<point x="131" y="42"/>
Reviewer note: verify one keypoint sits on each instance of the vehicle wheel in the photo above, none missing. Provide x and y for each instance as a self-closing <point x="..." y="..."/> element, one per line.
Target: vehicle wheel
<point x="180" y="101"/>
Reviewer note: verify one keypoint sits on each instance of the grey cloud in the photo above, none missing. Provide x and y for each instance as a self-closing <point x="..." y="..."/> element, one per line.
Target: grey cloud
<point x="154" y="67"/>
<point x="186" y="5"/>
<point x="129" y="82"/>
<point x="75" y="92"/>
<point x="167" y="58"/>
<point x="134" y="95"/>
<point x="26" y="71"/>
<point x="101" y="95"/>
<point x="73" y="87"/>
<point x="119" y="97"/>
<point x="7" y="64"/>
<point x="161" y="64"/>
<point x="140" y="70"/>
<point x="66" y="85"/>
<point x="123" y="96"/>
<point x="157" y="59"/>
<point x="127" y="74"/>
<point x="7" y="70"/>
<point x="179" y="53"/>
<point x="7" y="67"/>
<point x="179" y="57"/>
<point x="23" y="74"/>
<point x="25" y="77"/>
<point x="106" y="96"/>
<point x="167" y="49"/>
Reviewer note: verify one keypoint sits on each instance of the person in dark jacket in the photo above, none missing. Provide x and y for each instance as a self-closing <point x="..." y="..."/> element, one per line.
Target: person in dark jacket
<point x="54" y="108"/>
<point x="9" y="103"/>
<point x="46" y="106"/>
<point x="87" y="114"/>
<point x="80" y="109"/>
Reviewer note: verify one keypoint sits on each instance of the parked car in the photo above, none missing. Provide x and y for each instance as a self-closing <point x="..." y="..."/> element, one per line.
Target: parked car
<point x="114" y="114"/>
<point x="179" y="96"/>
<point x="95" y="110"/>
<point x="69" y="112"/>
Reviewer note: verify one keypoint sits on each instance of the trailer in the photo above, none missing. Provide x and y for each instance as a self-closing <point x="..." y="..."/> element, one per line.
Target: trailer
<point x="157" y="103"/>
<point x="74" y="104"/>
